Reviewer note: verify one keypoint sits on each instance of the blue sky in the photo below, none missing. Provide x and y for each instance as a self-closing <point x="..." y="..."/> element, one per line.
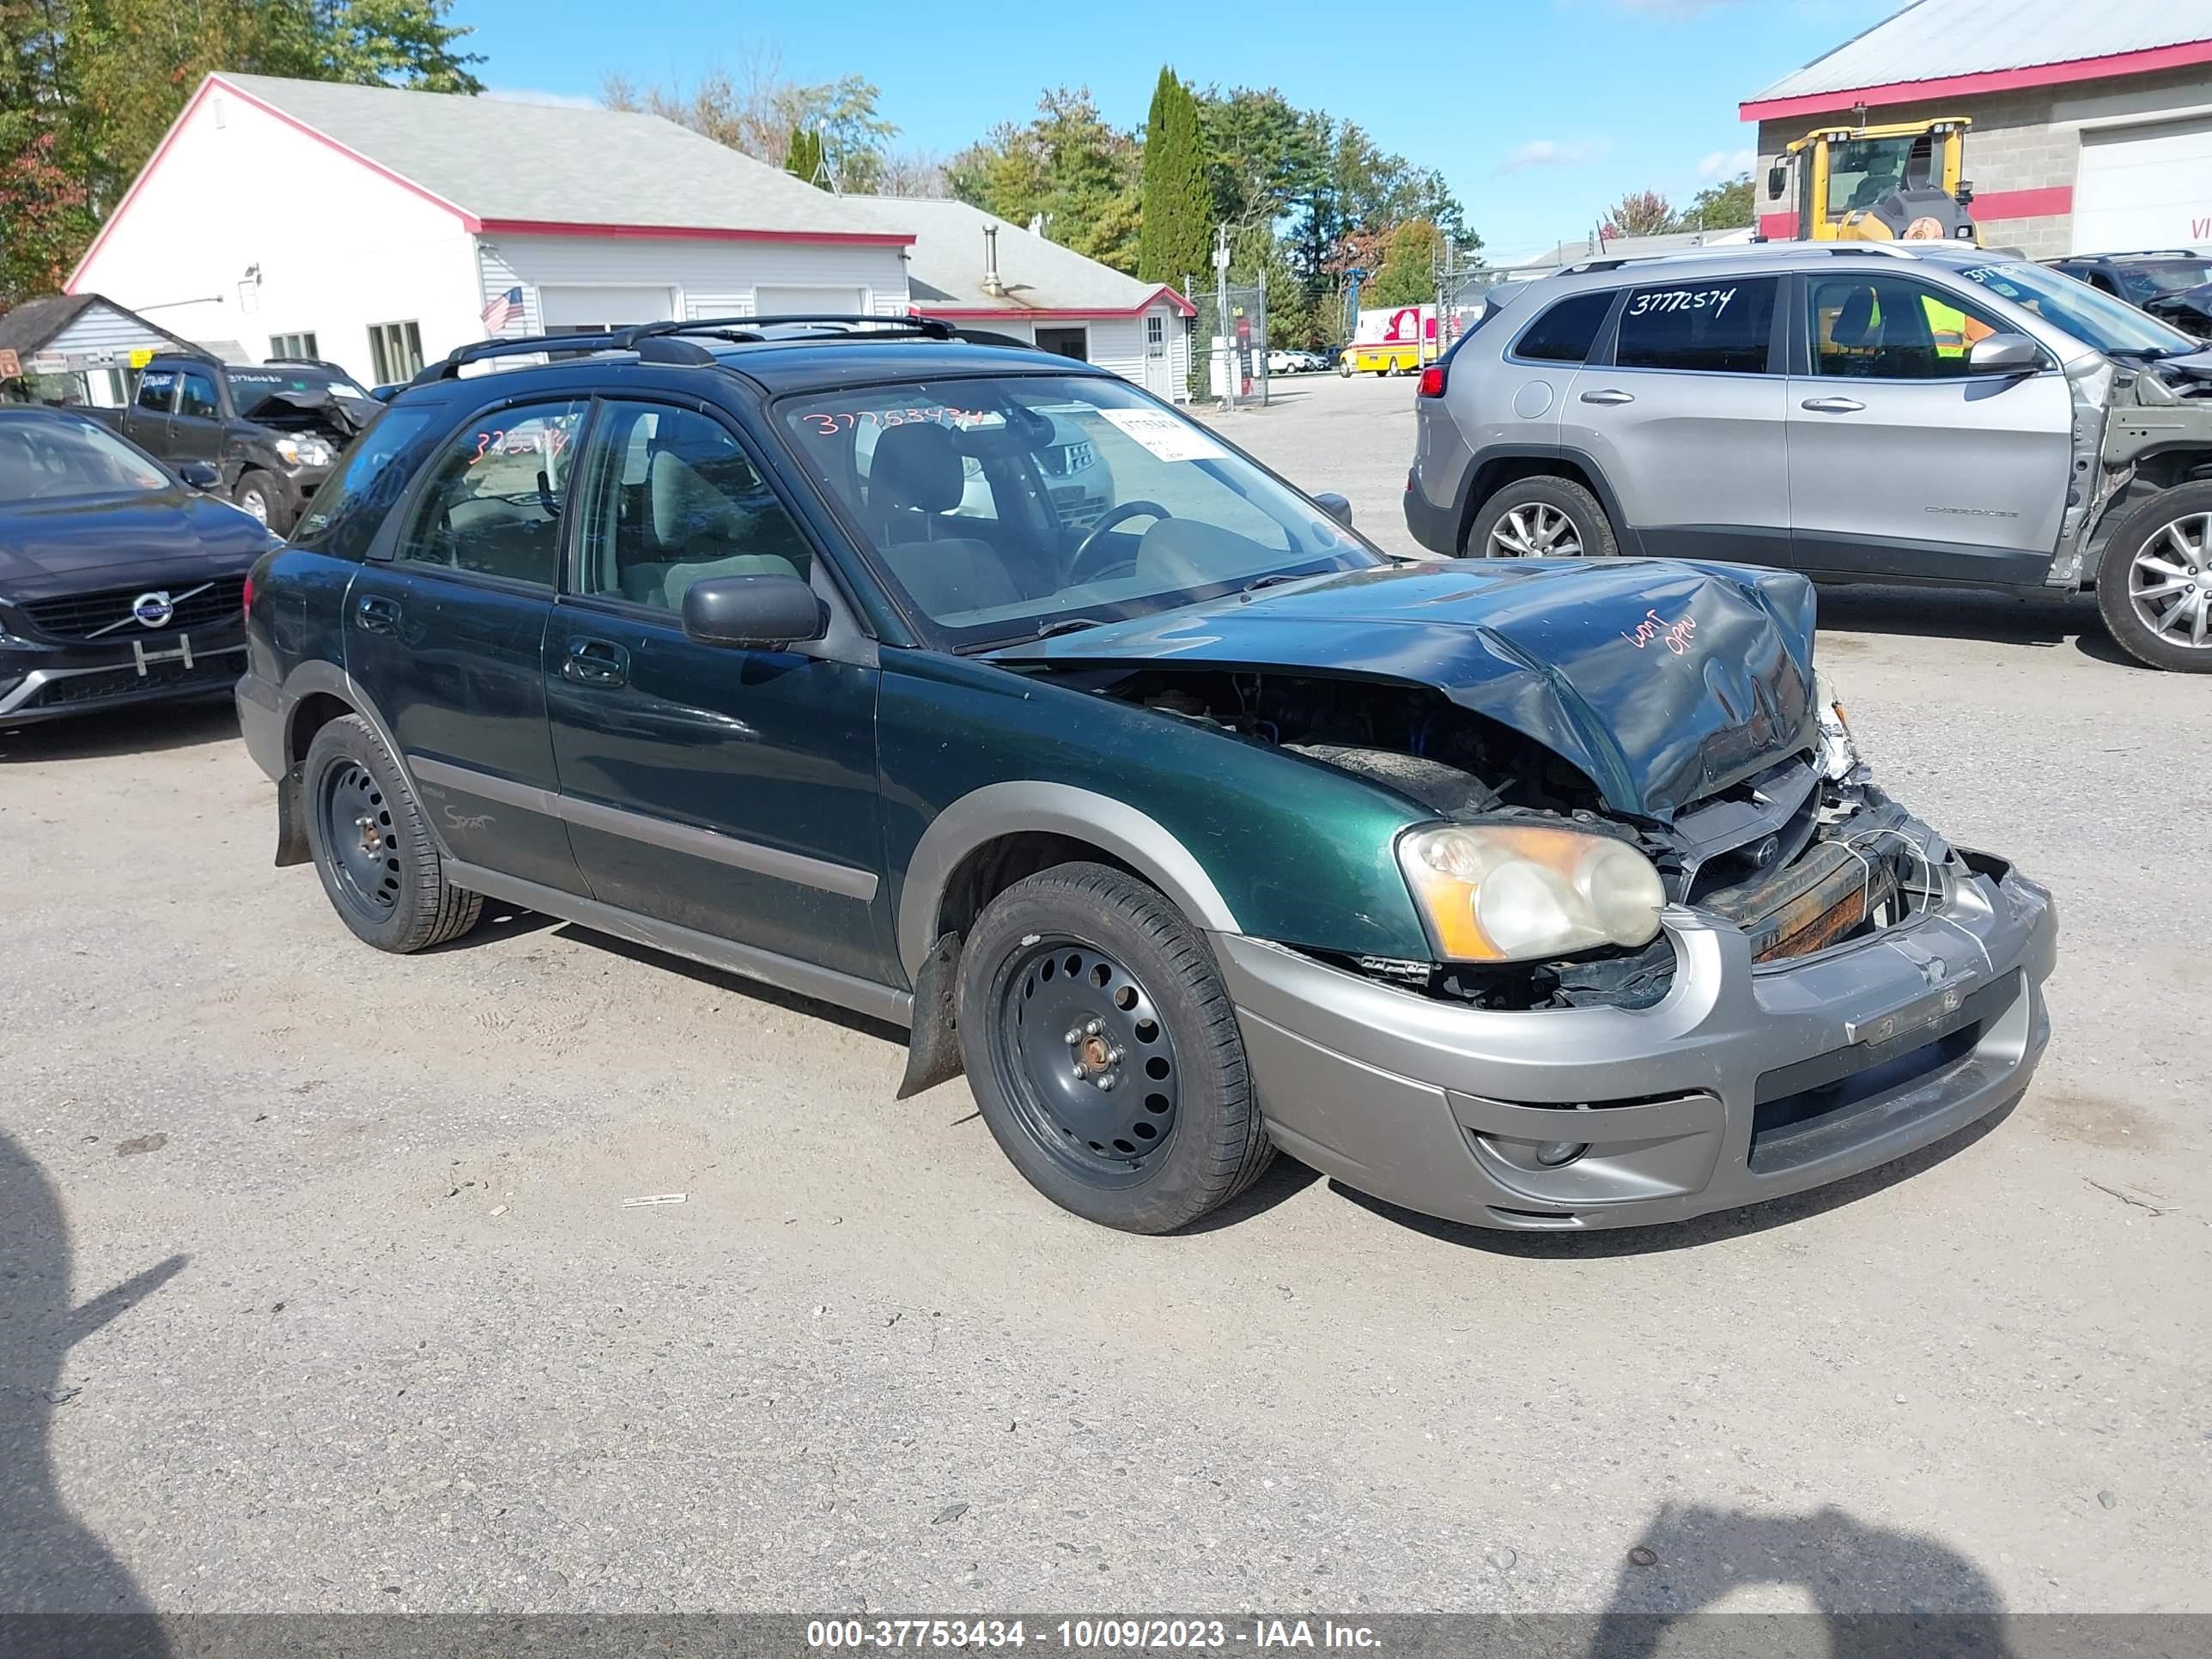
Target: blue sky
<point x="1539" y="111"/>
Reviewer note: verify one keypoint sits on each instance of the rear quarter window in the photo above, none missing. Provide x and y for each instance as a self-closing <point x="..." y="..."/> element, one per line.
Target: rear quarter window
<point x="1565" y="333"/>
<point x="342" y="519"/>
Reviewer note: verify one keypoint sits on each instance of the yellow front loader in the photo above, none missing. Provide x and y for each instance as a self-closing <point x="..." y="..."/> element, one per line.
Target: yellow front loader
<point x="1879" y="184"/>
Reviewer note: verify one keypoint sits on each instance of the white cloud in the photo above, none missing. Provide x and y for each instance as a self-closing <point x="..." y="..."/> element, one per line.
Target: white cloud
<point x="1727" y="163"/>
<point x="1554" y="153"/>
<point x="532" y="95"/>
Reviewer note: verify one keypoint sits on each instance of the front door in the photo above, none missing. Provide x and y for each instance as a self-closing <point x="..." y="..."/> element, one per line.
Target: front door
<point x="146" y="421"/>
<point x="445" y="631"/>
<point x="730" y="791"/>
<point x="1901" y="463"/>
<point x="195" y="429"/>
<point x="1685" y="421"/>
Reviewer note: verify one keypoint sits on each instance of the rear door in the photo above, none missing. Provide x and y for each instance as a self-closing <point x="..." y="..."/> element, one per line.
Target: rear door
<point x="731" y="792"/>
<point x="445" y="631"/>
<point x="1685" y="418"/>
<point x="1902" y="464"/>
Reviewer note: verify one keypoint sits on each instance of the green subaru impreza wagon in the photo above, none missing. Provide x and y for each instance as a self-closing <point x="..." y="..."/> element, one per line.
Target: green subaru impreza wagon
<point x="979" y="691"/>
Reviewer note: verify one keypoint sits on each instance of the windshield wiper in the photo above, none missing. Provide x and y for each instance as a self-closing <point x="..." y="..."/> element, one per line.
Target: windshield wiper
<point x="1275" y="580"/>
<point x="1066" y="625"/>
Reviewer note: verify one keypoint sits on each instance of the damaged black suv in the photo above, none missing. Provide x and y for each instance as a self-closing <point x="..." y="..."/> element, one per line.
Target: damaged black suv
<point x="1535" y="894"/>
<point x="271" y="431"/>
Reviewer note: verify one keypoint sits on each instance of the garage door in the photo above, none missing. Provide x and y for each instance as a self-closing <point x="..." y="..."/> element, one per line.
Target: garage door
<point x="2144" y="187"/>
<point x="604" y="307"/>
<point x="772" y="300"/>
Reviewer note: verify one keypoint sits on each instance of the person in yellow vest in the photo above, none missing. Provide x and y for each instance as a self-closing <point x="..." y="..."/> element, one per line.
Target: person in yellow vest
<point x="1953" y="330"/>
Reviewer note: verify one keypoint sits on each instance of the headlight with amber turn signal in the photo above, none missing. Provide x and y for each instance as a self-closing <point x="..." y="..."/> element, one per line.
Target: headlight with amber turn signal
<point x="1522" y="892"/>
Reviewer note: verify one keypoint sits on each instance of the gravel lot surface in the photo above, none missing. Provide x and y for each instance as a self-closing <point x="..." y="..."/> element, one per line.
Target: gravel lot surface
<point x="320" y="1293"/>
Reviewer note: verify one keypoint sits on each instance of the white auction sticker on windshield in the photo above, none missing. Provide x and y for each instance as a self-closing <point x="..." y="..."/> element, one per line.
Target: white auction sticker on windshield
<point x="1167" y="437"/>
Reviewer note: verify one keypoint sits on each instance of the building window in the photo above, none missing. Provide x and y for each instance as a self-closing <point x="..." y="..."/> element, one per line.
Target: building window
<point x="295" y="346"/>
<point x="395" y="350"/>
<point x="1156" y="338"/>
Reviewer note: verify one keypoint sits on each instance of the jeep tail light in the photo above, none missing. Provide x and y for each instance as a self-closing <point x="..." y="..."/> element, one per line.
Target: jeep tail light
<point x="1433" y="381"/>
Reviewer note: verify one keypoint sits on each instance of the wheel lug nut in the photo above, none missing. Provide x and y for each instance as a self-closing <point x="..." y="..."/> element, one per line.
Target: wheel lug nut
<point x="1080" y="1074"/>
<point x="1095" y="1027"/>
<point x="1106" y="1083"/>
<point x="1072" y="1037"/>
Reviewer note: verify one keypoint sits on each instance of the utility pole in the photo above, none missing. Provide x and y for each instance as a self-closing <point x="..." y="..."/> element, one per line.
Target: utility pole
<point x="1227" y="337"/>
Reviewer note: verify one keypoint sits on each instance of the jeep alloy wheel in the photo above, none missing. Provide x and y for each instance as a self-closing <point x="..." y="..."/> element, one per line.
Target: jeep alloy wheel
<point x="2169" y="582"/>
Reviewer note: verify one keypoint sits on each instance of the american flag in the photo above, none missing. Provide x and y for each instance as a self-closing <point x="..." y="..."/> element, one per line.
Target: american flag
<point x="502" y="310"/>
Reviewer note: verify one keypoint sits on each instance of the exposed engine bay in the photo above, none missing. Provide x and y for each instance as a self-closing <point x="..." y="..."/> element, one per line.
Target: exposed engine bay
<point x="1807" y="854"/>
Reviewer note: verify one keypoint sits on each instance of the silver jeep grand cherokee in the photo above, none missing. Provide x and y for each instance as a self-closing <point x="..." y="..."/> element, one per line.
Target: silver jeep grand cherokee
<point x="1919" y="412"/>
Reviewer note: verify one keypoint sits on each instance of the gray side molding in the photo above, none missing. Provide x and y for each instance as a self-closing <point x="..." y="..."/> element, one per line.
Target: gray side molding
<point x="1003" y="808"/>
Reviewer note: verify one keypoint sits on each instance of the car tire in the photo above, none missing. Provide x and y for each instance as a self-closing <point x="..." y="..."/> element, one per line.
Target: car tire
<point x="1555" y="514"/>
<point x="2166" y="543"/>
<point x="1103" y="1051"/>
<point x="256" y="494"/>
<point x="373" y="848"/>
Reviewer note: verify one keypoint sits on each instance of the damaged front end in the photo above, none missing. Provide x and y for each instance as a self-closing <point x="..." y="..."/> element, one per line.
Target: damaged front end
<point x="2134" y="430"/>
<point x="1806" y="855"/>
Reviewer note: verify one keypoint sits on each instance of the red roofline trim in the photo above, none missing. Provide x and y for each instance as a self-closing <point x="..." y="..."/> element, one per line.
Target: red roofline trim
<point x="692" y="233"/>
<point x="977" y="313"/>
<point x="2179" y="55"/>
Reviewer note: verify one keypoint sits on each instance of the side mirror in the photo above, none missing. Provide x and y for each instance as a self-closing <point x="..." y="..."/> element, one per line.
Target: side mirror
<point x="760" y="613"/>
<point x="1335" y="506"/>
<point x="2004" y="354"/>
<point x="1777" y="180"/>
<point x="199" y="475"/>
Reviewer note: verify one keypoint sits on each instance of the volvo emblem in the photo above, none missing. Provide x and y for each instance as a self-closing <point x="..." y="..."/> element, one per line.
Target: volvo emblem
<point x="153" y="610"/>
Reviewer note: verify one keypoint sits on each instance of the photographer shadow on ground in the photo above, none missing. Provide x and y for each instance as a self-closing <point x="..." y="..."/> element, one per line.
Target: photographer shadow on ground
<point x="1865" y="1592"/>
<point x="52" y="1563"/>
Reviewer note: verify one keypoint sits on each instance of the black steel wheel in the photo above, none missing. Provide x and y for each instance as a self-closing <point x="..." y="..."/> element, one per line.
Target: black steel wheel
<point x="379" y="865"/>
<point x="1087" y="1066"/>
<point x="357" y="825"/>
<point x="1103" y="1050"/>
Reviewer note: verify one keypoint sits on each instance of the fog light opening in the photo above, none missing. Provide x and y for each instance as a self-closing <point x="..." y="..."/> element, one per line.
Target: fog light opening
<point x="1556" y="1154"/>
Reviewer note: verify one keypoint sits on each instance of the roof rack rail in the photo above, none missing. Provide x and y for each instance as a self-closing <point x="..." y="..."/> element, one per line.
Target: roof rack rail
<point x="662" y="342"/>
<point x="933" y="327"/>
<point x="2145" y="254"/>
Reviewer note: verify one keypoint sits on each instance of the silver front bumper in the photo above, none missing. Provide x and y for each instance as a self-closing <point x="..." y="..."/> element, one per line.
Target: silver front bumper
<point x="1745" y="1083"/>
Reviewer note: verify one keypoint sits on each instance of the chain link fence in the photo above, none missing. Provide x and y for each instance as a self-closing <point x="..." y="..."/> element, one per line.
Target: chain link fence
<point x="1228" y="353"/>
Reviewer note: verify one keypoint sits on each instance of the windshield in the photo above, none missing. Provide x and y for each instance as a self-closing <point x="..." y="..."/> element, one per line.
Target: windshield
<point x="252" y="387"/>
<point x="2141" y="282"/>
<point x="1862" y="171"/>
<point x="46" y="459"/>
<point x="2099" y="319"/>
<point x="1006" y="508"/>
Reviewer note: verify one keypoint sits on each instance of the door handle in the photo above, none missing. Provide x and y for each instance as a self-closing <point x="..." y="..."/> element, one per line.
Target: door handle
<point x="375" y="614"/>
<point x="1609" y="396"/>
<point x="1833" y="405"/>
<point x="596" y="662"/>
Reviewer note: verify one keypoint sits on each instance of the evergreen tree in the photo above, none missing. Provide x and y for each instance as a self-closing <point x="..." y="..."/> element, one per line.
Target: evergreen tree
<point x="1176" y="198"/>
<point x="803" y="159"/>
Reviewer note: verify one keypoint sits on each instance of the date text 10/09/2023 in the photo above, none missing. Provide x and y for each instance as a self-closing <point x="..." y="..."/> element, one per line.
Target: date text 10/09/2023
<point x="1089" y="1635"/>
